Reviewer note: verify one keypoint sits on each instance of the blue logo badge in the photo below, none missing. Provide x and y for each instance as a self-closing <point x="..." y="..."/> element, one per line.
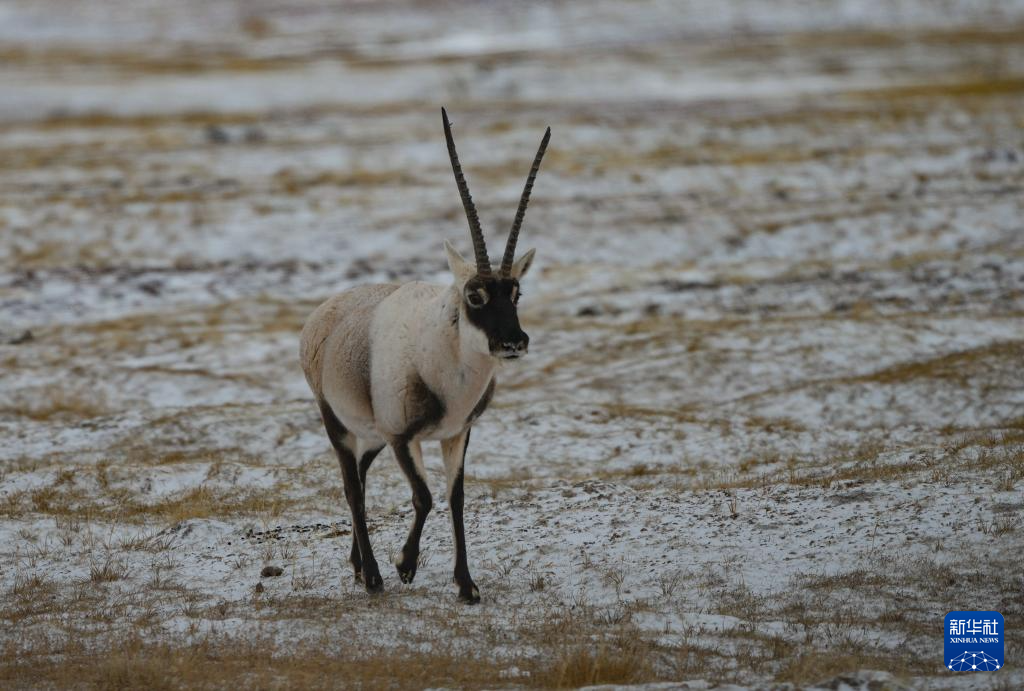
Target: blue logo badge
<point x="974" y="641"/>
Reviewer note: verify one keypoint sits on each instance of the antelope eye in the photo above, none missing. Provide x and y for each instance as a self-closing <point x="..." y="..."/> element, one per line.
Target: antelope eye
<point x="516" y="294"/>
<point x="476" y="298"/>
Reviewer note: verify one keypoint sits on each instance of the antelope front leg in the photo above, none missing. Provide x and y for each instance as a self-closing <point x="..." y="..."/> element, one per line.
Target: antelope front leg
<point x="410" y="459"/>
<point x="454" y="452"/>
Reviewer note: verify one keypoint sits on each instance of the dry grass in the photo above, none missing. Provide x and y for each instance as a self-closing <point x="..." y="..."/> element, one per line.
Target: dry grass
<point x="110" y="570"/>
<point x="808" y="667"/>
<point x="131" y="663"/>
<point x="953" y="89"/>
<point x="57" y="402"/>
<point x="79" y="503"/>
<point x="566" y="650"/>
<point x="620" y="660"/>
<point x="957" y="367"/>
<point x="289" y="181"/>
<point x="140" y="63"/>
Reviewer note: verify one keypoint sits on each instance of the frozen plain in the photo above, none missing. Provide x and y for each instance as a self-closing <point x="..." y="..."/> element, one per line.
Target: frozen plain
<point x="772" y="425"/>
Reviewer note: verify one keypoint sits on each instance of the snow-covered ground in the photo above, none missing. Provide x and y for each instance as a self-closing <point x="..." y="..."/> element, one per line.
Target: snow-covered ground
<point x="771" y="428"/>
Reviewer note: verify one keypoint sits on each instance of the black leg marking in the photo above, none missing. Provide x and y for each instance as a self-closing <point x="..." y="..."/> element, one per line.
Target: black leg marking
<point x="354" y="494"/>
<point x="364" y="465"/>
<point x="424" y="407"/>
<point x="422" y="502"/>
<point x="468" y="591"/>
<point x="365" y="462"/>
<point x="482" y="404"/>
<point x="426" y="410"/>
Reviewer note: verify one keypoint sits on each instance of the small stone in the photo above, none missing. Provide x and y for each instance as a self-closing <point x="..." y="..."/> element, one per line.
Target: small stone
<point x="25" y="336"/>
<point x="254" y="135"/>
<point x="151" y="287"/>
<point x="216" y="134"/>
<point x="271" y="571"/>
<point x="259" y="588"/>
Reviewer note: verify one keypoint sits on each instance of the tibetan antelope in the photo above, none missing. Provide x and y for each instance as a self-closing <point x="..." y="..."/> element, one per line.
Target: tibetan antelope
<point x="396" y="365"/>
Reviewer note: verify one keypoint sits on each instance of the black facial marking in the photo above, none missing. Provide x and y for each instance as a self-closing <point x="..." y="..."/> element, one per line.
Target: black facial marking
<point x="482" y="404"/>
<point x="498" y="318"/>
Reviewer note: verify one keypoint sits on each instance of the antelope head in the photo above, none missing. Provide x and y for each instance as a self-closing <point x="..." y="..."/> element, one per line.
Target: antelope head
<point x="489" y="300"/>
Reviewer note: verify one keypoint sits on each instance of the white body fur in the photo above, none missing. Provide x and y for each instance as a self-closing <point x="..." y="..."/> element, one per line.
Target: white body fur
<point x="361" y="349"/>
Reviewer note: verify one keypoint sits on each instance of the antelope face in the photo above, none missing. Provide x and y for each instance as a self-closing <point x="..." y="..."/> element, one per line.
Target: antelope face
<point x="490" y="305"/>
<point x="488" y="312"/>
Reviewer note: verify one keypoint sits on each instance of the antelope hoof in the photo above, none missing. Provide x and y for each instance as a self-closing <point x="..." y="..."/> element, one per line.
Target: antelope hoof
<point x="372" y="580"/>
<point x="406" y="571"/>
<point x="469" y="593"/>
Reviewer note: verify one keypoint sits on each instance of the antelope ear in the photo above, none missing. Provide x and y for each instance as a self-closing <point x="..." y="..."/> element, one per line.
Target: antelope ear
<point x="460" y="268"/>
<point x="522" y="265"/>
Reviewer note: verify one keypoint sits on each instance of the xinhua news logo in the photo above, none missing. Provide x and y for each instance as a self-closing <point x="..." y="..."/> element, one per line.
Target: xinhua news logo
<point x="974" y="641"/>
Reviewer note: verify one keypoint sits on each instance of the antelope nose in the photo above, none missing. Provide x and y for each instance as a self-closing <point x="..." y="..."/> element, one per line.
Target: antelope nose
<point x="517" y="346"/>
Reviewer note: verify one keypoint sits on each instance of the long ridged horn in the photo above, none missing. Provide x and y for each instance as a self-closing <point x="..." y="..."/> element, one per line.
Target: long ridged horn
<point x="513" y="235"/>
<point x="483" y="264"/>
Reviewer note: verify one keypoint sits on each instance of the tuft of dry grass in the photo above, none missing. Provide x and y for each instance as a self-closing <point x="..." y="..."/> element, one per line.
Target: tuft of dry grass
<point x="811" y="666"/>
<point x="290" y="181"/>
<point x="616" y="660"/>
<point x="109" y="570"/>
<point x="58" y="402"/>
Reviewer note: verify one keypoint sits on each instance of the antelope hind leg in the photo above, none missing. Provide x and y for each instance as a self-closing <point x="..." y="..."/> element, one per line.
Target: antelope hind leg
<point x="343" y="443"/>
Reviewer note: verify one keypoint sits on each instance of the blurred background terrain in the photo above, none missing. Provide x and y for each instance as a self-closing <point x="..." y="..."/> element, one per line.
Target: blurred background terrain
<point x="771" y="428"/>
